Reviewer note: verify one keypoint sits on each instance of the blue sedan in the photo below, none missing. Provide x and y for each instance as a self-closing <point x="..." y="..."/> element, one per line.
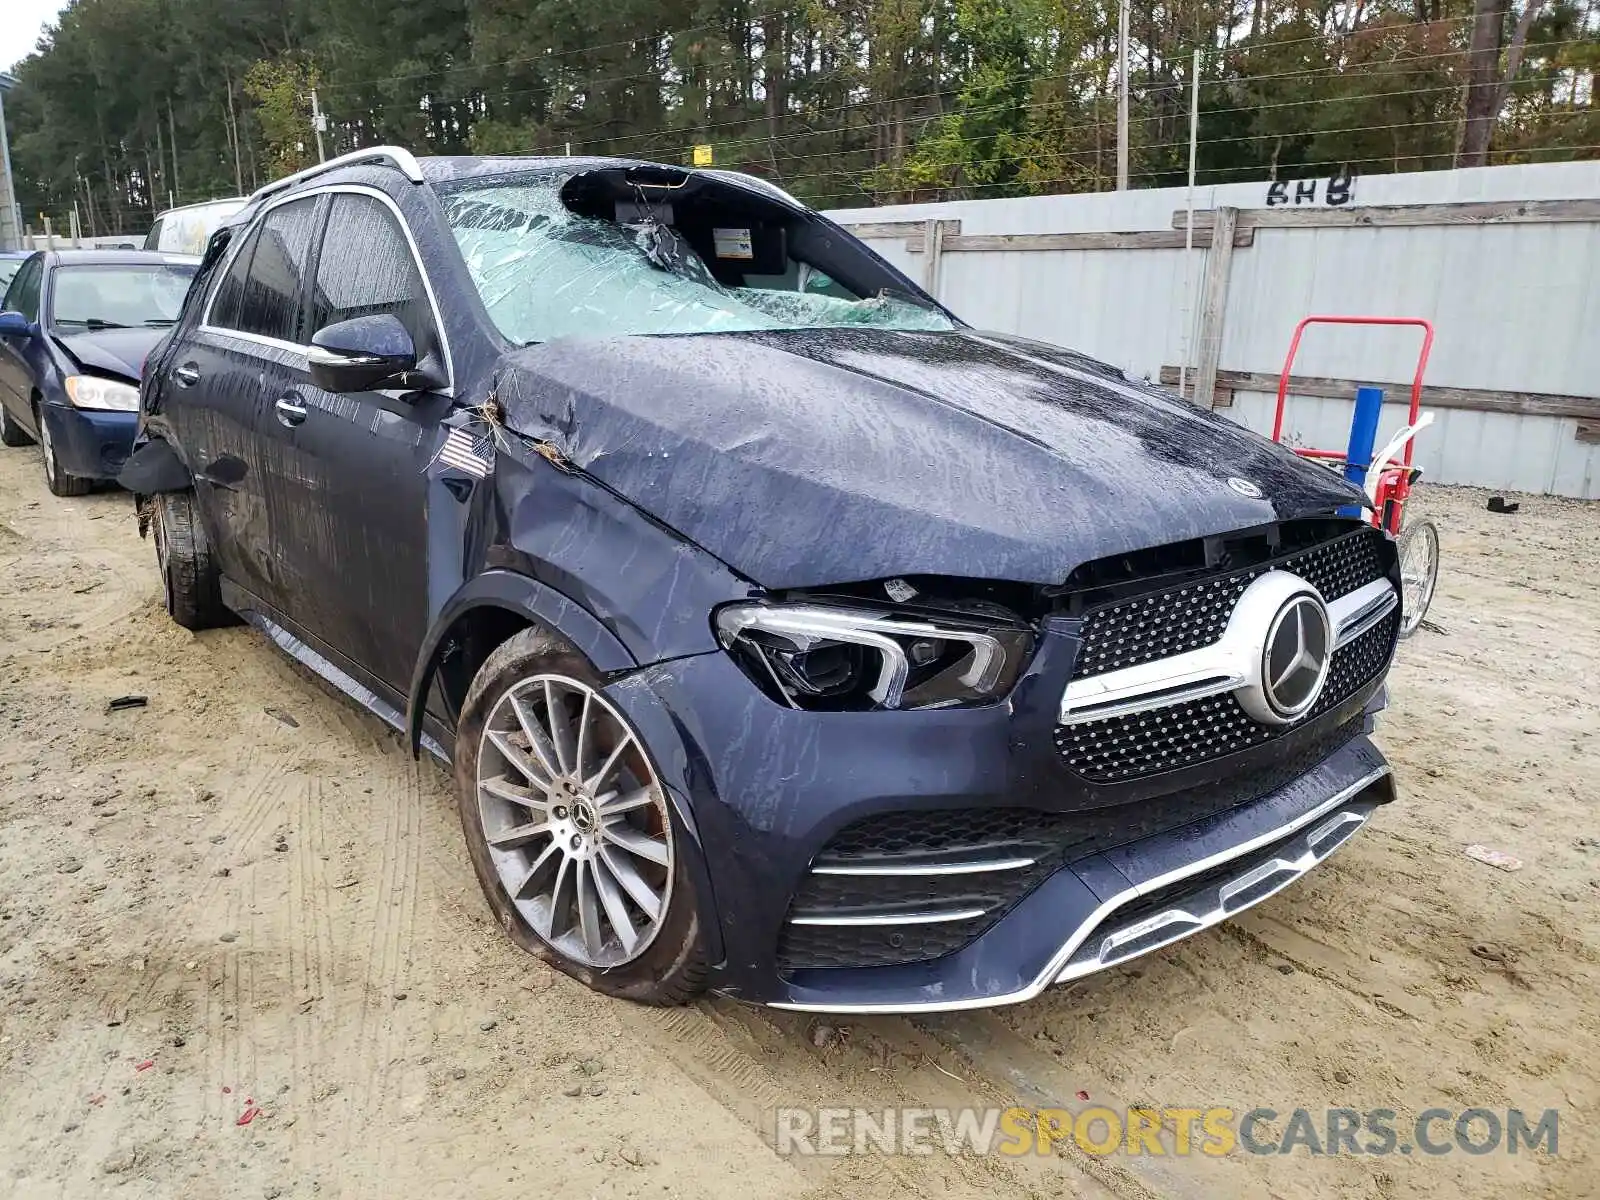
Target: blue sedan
<point x="75" y="329"/>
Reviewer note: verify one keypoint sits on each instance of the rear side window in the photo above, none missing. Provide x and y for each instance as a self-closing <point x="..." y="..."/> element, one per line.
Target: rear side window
<point x="152" y="240"/>
<point x="367" y="268"/>
<point x="230" y="292"/>
<point x="273" y="287"/>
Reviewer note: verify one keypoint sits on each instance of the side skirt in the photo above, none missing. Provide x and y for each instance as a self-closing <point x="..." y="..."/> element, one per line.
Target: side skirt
<point x="252" y="611"/>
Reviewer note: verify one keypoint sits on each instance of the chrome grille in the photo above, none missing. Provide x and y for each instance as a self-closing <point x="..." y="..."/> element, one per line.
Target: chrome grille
<point x="1119" y="749"/>
<point x="1147" y="628"/>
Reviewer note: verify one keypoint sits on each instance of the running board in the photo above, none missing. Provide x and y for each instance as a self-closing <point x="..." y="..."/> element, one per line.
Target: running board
<point x="352" y="687"/>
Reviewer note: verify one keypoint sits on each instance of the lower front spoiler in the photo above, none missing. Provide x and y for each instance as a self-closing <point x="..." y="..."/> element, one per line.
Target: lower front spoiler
<point x="1154" y="915"/>
<point x="1118" y="905"/>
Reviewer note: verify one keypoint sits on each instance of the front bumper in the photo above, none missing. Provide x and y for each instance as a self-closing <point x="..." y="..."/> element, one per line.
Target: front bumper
<point x="90" y="443"/>
<point x="763" y="790"/>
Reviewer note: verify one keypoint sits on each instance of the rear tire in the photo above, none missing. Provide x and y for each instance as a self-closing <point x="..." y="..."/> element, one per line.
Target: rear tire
<point x="190" y="581"/>
<point x="60" y="481"/>
<point x="670" y="968"/>
<point x="12" y="434"/>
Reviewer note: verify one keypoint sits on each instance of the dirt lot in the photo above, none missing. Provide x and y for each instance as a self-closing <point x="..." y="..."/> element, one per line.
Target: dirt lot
<point x="250" y="887"/>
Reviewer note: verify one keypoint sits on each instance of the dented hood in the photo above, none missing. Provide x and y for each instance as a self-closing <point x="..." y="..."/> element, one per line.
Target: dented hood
<point x="117" y="352"/>
<point x="814" y="457"/>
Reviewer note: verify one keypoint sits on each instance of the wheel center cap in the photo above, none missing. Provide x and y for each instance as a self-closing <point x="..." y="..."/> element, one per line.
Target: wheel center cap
<point x="583" y="816"/>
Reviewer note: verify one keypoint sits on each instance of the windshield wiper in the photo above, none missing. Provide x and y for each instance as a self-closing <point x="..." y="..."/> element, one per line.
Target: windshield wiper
<point x="160" y="322"/>
<point x="90" y="322"/>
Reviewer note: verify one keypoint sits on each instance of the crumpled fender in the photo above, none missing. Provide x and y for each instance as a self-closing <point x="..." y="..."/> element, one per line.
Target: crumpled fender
<point x="528" y="598"/>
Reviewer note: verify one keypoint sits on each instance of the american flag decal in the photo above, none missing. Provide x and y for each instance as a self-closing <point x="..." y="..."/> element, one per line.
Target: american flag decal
<point x="465" y="452"/>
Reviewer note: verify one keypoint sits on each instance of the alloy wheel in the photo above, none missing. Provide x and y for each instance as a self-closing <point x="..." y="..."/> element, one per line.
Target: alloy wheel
<point x="575" y="819"/>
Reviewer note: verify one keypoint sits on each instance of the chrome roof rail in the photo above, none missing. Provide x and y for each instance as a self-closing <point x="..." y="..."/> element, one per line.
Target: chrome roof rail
<point x="394" y="156"/>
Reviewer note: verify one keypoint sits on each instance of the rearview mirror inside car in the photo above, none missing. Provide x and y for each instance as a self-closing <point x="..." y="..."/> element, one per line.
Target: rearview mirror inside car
<point x="363" y="353"/>
<point x="14" y="324"/>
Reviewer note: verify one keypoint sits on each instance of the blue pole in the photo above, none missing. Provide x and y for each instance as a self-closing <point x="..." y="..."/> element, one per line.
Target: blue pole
<point x="1363" y="437"/>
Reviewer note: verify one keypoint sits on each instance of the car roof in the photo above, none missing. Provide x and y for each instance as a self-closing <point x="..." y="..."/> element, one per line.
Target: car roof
<point x="167" y="212"/>
<point x="118" y="258"/>
<point x="359" y="165"/>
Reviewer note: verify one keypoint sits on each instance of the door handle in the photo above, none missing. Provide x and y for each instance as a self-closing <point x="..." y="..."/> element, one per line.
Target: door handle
<point x="187" y="375"/>
<point x="291" y="411"/>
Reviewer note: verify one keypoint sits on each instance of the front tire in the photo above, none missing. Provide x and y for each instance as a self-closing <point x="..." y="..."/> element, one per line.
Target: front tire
<point x="12" y="434"/>
<point x="60" y="481"/>
<point x="190" y="580"/>
<point x="570" y="829"/>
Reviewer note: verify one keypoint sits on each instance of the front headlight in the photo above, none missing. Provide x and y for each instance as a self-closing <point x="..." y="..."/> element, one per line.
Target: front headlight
<point x="90" y="391"/>
<point x="820" y="657"/>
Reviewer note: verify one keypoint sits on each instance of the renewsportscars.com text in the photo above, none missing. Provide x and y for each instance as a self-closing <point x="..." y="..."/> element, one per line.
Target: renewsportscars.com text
<point x="1176" y="1132"/>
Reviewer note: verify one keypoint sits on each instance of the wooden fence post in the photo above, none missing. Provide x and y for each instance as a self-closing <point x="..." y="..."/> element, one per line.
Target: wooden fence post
<point x="932" y="256"/>
<point x="1214" y="306"/>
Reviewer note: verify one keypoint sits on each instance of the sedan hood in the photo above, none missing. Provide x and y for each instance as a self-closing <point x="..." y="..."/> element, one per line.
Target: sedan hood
<point x="815" y="457"/>
<point x="119" y="352"/>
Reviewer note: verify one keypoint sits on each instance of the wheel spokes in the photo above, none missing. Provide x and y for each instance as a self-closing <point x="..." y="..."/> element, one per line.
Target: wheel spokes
<point x="504" y="789"/>
<point x="538" y="742"/>
<point x="613" y="805"/>
<point x="589" y="922"/>
<point x="625" y="873"/>
<point x="519" y="761"/>
<point x="555" y="715"/>
<point x="611" y="900"/>
<point x="520" y="835"/>
<point x="638" y="843"/>
<point x="575" y="820"/>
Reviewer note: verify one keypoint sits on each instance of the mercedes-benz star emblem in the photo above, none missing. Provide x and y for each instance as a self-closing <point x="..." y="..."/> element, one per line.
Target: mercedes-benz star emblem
<point x="1294" y="662"/>
<point x="1244" y="487"/>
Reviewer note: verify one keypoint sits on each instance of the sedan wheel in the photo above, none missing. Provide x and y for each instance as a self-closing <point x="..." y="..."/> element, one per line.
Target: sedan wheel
<point x="61" y="483"/>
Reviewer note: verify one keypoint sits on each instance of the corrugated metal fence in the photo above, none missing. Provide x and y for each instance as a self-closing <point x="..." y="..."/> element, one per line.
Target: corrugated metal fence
<point x="1505" y="261"/>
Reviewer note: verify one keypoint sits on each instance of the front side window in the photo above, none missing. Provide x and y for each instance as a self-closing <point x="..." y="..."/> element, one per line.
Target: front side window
<point x="273" y="287"/>
<point x="366" y="268"/>
<point x="546" y="271"/>
<point x="8" y="271"/>
<point x="122" y="295"/>
<point x="23" y="294"/>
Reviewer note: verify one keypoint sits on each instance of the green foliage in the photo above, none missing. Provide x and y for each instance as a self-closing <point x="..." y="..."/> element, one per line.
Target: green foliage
<point x="136" y="103"/>
<point x="281" y="88"/>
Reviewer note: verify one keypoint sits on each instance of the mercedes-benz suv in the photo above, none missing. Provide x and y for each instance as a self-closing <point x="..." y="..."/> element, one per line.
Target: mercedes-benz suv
<point x="783" y="634"/>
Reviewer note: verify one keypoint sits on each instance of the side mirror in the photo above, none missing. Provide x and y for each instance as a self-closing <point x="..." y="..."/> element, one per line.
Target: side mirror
<point x="363" y="353"/>
<point x="14" y="324"/>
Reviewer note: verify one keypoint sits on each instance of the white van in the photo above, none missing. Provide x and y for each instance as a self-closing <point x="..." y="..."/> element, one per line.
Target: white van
<point x="186" y="230"/>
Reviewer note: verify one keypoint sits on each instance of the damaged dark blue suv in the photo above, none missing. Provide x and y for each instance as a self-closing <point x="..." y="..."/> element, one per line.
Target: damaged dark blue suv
<point x="784" y="635"/>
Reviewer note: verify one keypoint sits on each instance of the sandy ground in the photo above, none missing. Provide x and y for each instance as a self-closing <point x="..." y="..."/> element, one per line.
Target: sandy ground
<point x="250" y="887"/>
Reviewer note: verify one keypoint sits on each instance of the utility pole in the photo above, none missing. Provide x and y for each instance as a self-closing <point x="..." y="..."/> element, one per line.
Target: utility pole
<point x="1188" y="226"/>
<point x="1122" y="96"/>
<point x="319" y="122"/>
<point x="233" y="138"/>
<point x="172" y="138"/>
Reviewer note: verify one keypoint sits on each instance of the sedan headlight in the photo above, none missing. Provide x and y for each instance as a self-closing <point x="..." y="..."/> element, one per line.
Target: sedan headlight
<point x="816" y="656"/>
<point x="90" y="391"/>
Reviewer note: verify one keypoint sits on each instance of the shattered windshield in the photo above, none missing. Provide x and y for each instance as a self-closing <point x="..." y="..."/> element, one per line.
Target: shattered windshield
<point x="546" y="272"/>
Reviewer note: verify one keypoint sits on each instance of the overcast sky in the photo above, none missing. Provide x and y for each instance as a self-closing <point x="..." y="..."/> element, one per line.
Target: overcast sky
<point x="21" y="26"/>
